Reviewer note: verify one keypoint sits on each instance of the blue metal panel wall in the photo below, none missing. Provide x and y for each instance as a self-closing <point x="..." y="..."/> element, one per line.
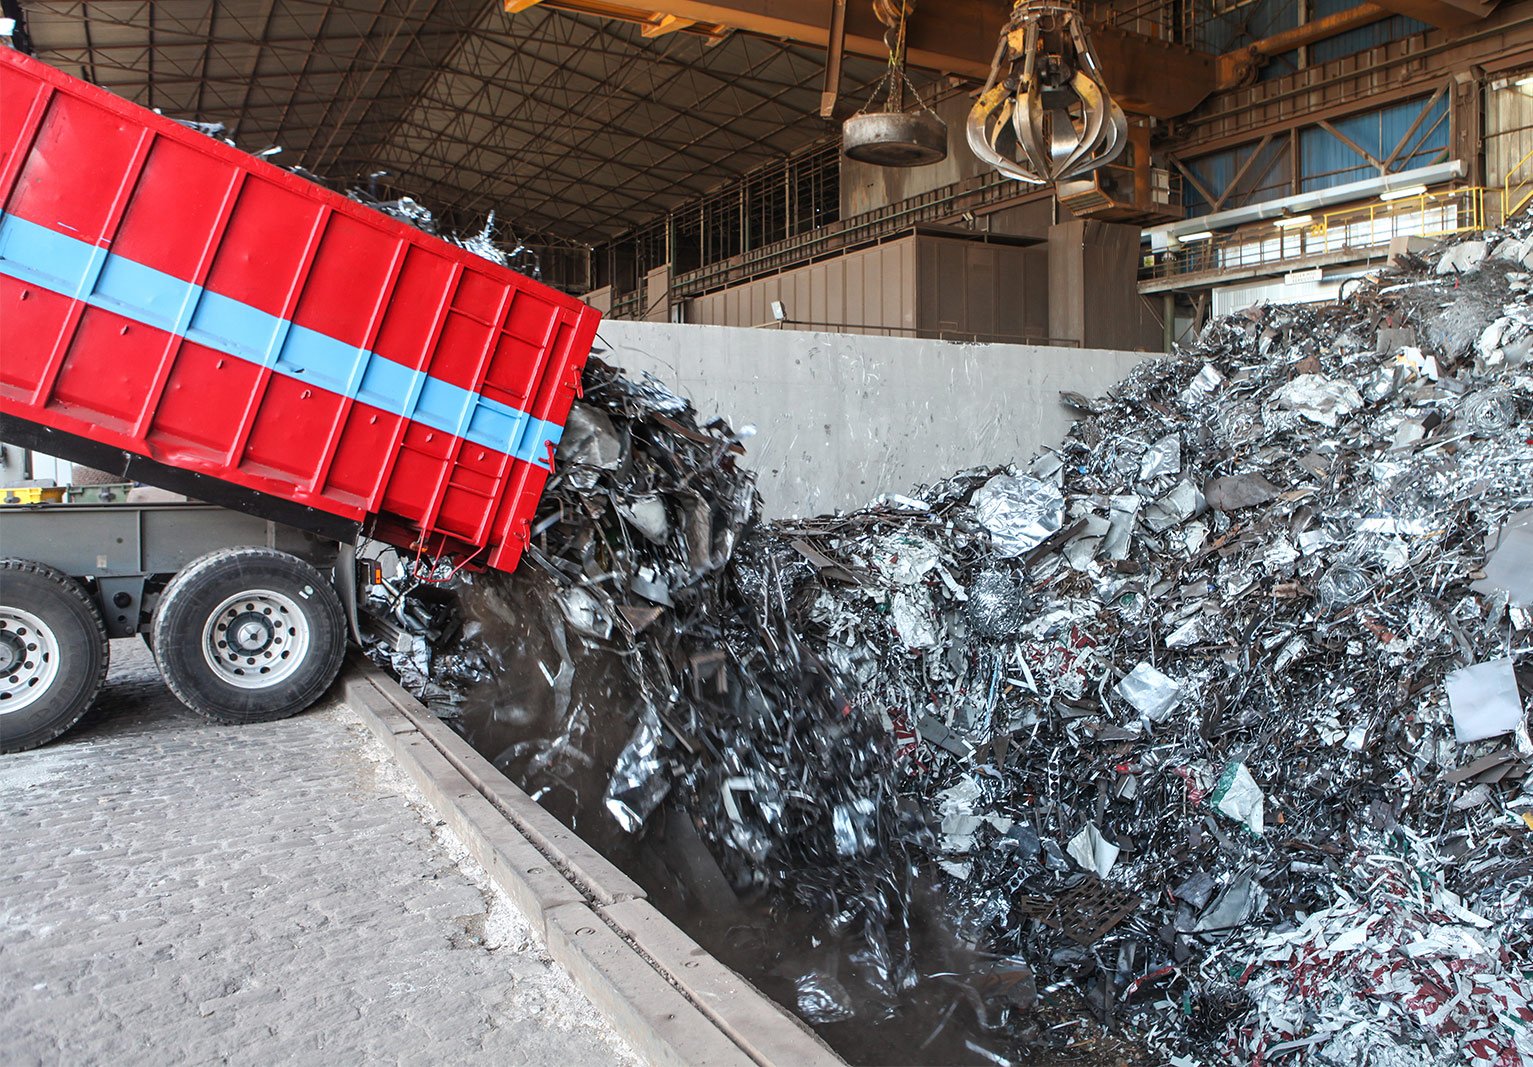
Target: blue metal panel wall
<point x="1395" y="28"/>
<point x="1214" y="172"/>
<point x="1326" y="161"/>
<point x="1266" y="178"/>
<point x="1224" y="27"/>
<point x="1391" y="29"/>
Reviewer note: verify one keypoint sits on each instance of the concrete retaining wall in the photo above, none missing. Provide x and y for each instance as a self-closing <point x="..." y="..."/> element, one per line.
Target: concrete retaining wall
<point x="841" y="418"/>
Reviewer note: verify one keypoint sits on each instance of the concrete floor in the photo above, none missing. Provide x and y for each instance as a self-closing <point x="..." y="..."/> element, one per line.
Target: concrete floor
<point x="177" y="892"/>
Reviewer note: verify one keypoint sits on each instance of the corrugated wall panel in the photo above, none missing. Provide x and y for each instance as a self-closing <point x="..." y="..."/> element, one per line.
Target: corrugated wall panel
<point x="979" y="270"/>
<point x="900" y="305"/>
<point x="808" y="293"/>
<point x="1326" y="160"/>
<point x="1508" y="133"/>
<point x="928" y="285"/>
<point x="873" y="288"/>
<point x="862" y="297"/>
<point x="835" y="289"/>
<point x="1364" y="37"/>
<point x="1225" y="27"/>
<point x="968" y="288"/>
<point x="1266" y="178"/>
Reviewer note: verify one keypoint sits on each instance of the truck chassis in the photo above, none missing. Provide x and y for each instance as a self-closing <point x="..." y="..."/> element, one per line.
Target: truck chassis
<point x="248" y="618"/>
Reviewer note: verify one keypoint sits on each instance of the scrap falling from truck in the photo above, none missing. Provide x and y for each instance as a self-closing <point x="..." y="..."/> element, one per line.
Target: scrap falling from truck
<point x="1200" y="737"/>
<point x="181" y="313"/>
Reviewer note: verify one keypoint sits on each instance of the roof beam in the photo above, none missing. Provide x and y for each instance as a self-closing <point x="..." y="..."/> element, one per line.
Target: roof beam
<point x="654" y="24"/>
<point x="666" y="24"/>
<point x="1444" y="14"/>
<point x="268" y="8"/>
<point x="331" y="154"/>
<point x="90" y="48"/>
<point x="675" y="152"/>
<point x="300" y="83"/>
<point x="1147" y="76"/>
<point x="207" y="54"/>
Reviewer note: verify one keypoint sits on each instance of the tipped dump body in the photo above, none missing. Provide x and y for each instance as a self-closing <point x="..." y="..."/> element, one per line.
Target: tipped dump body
<point x="262" y="341"/>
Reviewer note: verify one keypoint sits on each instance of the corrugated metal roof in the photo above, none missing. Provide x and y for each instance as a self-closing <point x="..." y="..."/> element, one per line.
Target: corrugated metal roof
<point x="565" y="125"/>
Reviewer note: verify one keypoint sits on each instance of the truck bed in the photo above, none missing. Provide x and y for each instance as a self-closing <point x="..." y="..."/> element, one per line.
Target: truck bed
<point x="181" y="312"/>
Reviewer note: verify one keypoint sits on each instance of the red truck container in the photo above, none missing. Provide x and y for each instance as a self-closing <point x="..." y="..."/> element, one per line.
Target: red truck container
<point x="179" y="310"/>
<point x="183" y="314"/>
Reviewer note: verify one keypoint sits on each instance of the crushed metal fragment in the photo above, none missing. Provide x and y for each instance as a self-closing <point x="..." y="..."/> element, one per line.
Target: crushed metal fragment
<point x="1173" y="722"/>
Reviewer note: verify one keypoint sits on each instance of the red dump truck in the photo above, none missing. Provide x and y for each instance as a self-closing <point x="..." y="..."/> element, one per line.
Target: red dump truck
<point x="184" y="315"/>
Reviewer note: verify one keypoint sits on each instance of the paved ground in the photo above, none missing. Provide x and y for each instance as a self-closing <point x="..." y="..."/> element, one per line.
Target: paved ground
<point x="175" y="892"/>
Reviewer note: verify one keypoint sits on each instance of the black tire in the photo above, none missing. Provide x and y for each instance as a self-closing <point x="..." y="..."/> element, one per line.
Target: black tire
<point x="53" y="654"/>
<point x="248" y="635"/>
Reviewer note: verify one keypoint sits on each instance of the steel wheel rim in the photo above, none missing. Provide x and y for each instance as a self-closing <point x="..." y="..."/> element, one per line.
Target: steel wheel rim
<point x="255" y="639"/>
<point x="29" y="655"/>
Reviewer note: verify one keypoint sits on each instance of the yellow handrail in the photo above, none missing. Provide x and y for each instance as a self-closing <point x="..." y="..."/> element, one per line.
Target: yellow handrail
<point x="1364" y="226"/>
<point x="1427" y="214"/>
<point x="1516" y="197"/>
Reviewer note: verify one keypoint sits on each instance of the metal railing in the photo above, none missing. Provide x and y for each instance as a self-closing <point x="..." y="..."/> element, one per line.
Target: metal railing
<point x="1363" y="229"/>
<point x="868" y="228"/>
<point x="1429" y="214"/>
<point x="1516" y="192"/>
<point x="1152" y="18"/>
<point x="627" y="306"/>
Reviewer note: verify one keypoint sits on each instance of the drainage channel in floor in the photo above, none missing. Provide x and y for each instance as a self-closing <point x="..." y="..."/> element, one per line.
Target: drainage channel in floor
<point x="881" y="974"/>
<point x="1167" y="747"/>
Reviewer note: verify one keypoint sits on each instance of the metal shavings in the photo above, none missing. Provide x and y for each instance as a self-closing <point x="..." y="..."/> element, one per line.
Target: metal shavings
<point x="1488" y="412"/>
<point x="1019" y="512"/>
<point x="1397" y="963"/>
<point x="637" y="785"/>
<point x="1086" y="914"/>
<point x="904" y="704"/>
<point x="996" y="604"/>
<point x="1343" y="584"/>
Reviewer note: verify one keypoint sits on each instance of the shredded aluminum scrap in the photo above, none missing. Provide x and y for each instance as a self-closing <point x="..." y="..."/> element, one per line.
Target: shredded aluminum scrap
<point x="1209" y="726"/>
<point x="412" y="213"/>
<point x="1397" y="969"/>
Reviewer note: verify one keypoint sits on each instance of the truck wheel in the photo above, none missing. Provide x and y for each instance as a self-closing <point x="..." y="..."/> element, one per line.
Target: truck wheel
<point x="53" y="654"/>
<point x="248" y="635"/>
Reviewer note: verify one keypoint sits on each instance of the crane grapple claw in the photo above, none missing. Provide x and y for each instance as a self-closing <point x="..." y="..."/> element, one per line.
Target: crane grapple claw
<point x="1045" y="114"/>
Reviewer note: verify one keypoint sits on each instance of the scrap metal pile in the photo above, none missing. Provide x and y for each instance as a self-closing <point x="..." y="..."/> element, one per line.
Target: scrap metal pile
<point x="1208" y="726"/>
<point x="1216" y="702"/>
<point x="405" y="209"/>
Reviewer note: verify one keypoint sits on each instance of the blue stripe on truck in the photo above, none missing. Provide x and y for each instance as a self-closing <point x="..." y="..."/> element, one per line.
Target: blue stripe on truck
<point x="82" y="271"/>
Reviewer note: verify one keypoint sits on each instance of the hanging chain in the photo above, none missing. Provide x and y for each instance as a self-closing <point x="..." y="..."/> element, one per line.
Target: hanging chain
<point x="895" y="16"/>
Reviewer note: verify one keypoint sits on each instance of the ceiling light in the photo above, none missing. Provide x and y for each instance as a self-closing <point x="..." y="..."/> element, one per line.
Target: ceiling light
<point x="1292" y="221"/>
<point x="1401" y="194"/>
<point x="1524" y="81"/>
<point x="1201" y="235"/>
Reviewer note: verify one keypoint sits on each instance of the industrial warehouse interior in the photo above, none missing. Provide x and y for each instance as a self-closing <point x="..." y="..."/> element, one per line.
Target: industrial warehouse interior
<point x="766" y="532"/>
